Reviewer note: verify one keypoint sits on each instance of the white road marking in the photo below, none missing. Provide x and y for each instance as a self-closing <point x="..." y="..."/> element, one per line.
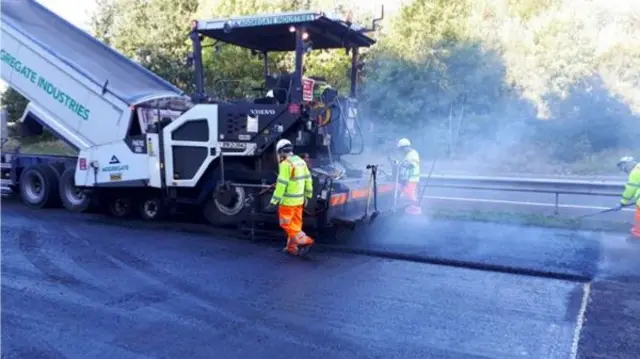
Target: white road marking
<point x="580" y="320"/>
<point x="72" y="233"/>
<point x="522" y="203"/>
<point x="78" y="237"/>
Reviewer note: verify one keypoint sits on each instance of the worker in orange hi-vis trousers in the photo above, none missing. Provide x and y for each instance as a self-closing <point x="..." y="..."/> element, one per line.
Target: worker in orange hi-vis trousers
<point x="410" y="175"/>
<point x="631" y="190"/>
<point x="294" y="188"/>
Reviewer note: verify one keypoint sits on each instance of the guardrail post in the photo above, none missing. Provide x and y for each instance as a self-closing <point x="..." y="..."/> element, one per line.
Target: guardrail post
<point x="557" y="203"/>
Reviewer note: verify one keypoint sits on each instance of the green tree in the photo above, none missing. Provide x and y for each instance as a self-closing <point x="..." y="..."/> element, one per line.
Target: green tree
<point x="102" y="20"/>
<point x="152" y="32"/>
<point x="14" y="102"/>
<point x="409" y="74"/>
<point x="467" y="73"/>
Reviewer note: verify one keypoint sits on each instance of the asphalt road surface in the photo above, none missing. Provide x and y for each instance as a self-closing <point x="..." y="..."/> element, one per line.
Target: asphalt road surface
<point x="76" y="286"/>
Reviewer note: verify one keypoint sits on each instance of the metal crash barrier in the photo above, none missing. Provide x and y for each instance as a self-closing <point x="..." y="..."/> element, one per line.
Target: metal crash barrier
<point x="557" y="187"/>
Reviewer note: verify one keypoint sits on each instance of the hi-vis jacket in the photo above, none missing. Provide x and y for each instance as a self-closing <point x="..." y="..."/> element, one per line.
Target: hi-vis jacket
<point x="318" y="90"/>
<point x="294" y="183"/>
<point x="632" y="187"/>
<point x="412" y="163"/>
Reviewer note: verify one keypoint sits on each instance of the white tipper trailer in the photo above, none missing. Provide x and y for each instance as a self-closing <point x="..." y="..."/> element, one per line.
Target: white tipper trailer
<point x="100" y="103"/>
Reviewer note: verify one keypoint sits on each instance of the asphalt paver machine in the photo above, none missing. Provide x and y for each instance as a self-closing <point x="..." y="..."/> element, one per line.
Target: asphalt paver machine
<point x="321" y="123"/>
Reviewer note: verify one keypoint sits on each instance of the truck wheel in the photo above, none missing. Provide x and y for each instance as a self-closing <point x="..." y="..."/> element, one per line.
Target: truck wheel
<point x="226" y="214"/>
<point x="73" y="198"/>
<point x="152" y="209"/>
<point x="225" y="207"/>
<point x="39" y="186"/>
<point x="121" y="207"/>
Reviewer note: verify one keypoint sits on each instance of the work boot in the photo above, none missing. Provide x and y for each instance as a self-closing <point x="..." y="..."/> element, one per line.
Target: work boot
<point x="291" y="248"/>
<point x="304" y="245"/>
<point x="302" y="251"/>
<point x="289" y="251"/>
<point x="306" y="241"/>
<point x="298" y="252"/>
<point x="633" y="238"/>
<point x="413" y="210"/>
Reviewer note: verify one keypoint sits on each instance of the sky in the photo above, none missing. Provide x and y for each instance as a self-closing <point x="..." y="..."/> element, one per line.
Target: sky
<point x="80" y="12"/>
<point x="77" y="14"/>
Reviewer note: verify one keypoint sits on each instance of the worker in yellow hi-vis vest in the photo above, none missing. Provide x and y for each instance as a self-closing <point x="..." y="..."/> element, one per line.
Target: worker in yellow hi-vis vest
<point x="631" y="192"/>
<point x="410" y="175"/>
<point x="294" y="188"/>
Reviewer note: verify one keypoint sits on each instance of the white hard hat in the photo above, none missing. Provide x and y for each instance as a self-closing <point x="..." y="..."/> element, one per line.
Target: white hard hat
<point x="284" y="145"/>
<point x="270" y="94"/>
<point x="404" y="142"/>
<point x="625" y="161"/>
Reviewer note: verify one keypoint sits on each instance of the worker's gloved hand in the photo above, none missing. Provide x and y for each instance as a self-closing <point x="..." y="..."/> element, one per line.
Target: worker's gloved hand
<point x="270" y="208"/>
<point x="621" y="206"/>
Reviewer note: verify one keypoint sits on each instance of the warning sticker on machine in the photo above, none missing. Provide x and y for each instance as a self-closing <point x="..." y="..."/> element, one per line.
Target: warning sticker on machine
<point x="43" y="83"/>
<point x="252" y="124"/>
<point x="307" y="89"/>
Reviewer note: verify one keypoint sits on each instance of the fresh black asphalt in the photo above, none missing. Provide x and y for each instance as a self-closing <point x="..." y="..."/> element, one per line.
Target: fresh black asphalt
<point x="75" y="287"/>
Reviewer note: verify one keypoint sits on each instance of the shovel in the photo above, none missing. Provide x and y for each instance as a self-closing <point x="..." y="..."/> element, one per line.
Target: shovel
<point x="612" y="209"/>
<point x="373" y="192"/>
<point x="424" y="188"/>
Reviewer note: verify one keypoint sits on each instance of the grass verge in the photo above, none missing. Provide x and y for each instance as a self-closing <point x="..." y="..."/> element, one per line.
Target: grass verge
<point x="530" y="220"/>
<point x="37" y="145"/>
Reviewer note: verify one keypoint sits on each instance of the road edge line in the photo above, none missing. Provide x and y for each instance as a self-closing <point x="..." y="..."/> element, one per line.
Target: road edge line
<point x="580" y="319"/>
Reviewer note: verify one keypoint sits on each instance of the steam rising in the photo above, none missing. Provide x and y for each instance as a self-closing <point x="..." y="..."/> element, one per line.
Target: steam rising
<point x="549" y="89"/>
